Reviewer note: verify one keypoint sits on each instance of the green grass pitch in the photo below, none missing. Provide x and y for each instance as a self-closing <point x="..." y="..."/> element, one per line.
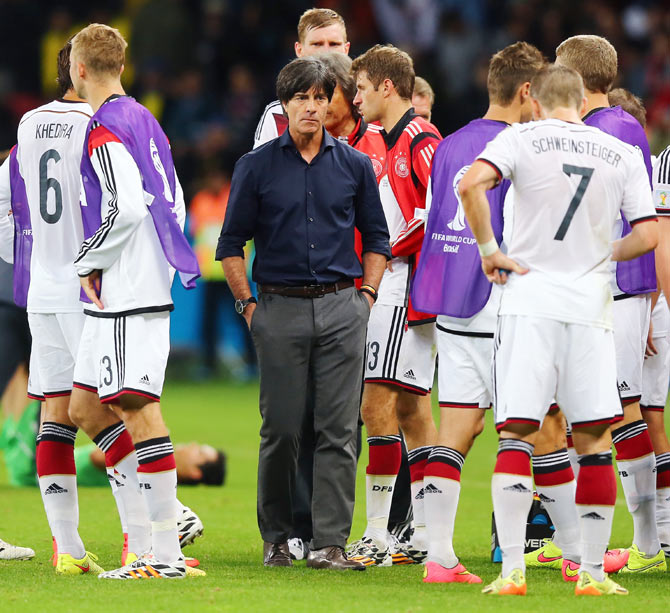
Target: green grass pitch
<point x="230" y="551"/>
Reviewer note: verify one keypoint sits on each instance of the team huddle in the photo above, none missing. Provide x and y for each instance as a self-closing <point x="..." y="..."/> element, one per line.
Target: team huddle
<point x="523" y="255"/>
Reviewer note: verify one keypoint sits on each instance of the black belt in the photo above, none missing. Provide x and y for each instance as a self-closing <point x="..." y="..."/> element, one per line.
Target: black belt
<point x="306" y="291"/>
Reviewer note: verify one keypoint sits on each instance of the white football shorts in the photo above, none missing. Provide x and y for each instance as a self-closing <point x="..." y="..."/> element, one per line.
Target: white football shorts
<point x="54" y="350"/>
<point x="656" y="368"/>
<point x="464" y="368"/>
<point x="124" y="355"/>
<point x="399" y="356"/>
<point x="536" y="360"/>
<point x="631" y="325"/>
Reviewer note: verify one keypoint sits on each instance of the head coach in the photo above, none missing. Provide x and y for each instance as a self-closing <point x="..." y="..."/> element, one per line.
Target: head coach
<point x="299" y="197"/>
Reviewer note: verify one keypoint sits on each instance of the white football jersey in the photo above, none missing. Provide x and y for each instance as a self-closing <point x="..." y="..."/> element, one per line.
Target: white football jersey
<point x="570" y="181"/>
<point x="50" y="144"/>
<point x="661" y="181"/>
<point x="271" y="122"/>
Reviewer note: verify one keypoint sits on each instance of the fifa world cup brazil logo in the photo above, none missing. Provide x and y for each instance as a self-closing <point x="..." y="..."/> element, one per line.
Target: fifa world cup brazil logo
<point x="458" y="222"/>
<point x="158" y="165"/>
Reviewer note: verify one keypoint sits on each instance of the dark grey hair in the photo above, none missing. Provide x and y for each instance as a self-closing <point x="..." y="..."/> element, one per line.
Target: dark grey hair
<point x="340" y="66"/>
<point x="303" y="74"/>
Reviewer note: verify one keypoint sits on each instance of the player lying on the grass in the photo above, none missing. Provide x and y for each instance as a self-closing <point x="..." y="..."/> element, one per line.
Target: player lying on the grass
<point x="555" y="318"/>
<point x="400" y="360"/>
<point x="595" y="59"/>
<point x="133" y="212"/>
<point x="196" y="464"/>
<point x="449" y="281"/>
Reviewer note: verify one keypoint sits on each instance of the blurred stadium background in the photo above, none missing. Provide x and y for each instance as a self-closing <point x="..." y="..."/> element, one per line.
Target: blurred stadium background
<point x="206" y="69"/>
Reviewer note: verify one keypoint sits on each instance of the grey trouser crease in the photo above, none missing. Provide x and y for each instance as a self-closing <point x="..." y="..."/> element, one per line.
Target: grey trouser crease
<point x="303" y="342"/>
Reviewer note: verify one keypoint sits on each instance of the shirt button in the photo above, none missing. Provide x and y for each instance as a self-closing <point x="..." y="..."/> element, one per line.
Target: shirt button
<point x="310" y="193"/>
<point x="311" y="219"/>
<point x="314" y="272"/>
<point x="312" y="245"/>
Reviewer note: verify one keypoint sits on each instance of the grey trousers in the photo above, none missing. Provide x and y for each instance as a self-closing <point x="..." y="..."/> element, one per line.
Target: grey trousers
<point x="304" y="343"/>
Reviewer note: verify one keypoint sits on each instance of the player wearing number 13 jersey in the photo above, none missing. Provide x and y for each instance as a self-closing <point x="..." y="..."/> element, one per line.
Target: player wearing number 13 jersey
<point x="555" y="328"/>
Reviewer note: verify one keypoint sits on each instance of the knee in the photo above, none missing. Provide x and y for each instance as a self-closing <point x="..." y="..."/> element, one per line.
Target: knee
<point x="77" y="412"/>
<point x="478" y="427"/>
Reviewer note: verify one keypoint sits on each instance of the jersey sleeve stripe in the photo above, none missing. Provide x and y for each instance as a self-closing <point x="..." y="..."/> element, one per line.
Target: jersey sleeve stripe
<point x="643" y="219"/>
<point x="268" y="109"/>
<point x="492" y="165"/>
<point x="663" y="167"/>
<point x="425" y="157"/>
<point x="98" y="137"/>
<point x="105" y="227"/>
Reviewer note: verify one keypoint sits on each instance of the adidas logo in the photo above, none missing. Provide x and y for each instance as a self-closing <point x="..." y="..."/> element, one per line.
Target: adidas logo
<point x="145" y="380"/>
<point x="544" y="498"/>
<point x="410" y="375"/>
<point x="431" y="489"/>
<point x="517" y="487"/>
<point x="593" y="515"/>
<point x="623" y="387"/>
<point x="54" y="488"/>
<point x="114" y="480"/>
<point x="419" y="496"/>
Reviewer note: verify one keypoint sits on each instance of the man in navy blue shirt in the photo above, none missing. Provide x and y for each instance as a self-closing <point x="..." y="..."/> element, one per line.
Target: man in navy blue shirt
<point x="301" y="197"/>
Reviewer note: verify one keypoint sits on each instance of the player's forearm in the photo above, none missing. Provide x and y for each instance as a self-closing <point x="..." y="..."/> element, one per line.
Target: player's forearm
<point x="642" y="239"/>
<point x="236" y="275"/>
<point x="477" y="212"/>
<point x="374" y="265"/>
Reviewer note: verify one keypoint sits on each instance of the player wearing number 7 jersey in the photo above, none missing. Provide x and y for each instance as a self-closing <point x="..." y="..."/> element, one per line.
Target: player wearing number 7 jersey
<point x="554" y="336"/>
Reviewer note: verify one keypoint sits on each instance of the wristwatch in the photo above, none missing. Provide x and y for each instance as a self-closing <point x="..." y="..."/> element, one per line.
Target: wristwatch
<point x="240" y="305"/>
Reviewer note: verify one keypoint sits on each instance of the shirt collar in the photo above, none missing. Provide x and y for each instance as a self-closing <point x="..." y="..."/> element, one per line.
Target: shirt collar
<point x="357" y="132"/>
<point x="285" y="140"/>
<point x="392" y="137"/>
<point x="593" y="112"/>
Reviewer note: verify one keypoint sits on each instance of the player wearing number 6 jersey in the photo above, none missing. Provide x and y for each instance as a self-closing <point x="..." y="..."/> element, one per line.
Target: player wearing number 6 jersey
<point x="44" y="183"/>
<point x="554" y="336"/>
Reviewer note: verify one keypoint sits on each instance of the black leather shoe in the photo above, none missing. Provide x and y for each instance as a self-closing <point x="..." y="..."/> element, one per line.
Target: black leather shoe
<point x="276" y="554"/>
<point x="332" y="558"/>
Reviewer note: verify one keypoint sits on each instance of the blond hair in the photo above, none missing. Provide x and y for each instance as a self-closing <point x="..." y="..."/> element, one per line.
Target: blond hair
<point x="557" y="86"/>
<point x="423" y="88"/>
<point x="387" y="62"/>
<point x="593" y="57"/>
<point x="313" y="19"/>
<point x="100" y="48"/>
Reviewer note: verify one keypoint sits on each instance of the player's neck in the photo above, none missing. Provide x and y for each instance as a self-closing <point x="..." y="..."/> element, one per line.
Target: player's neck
<point x="344" y="128"/>
<point x="395" y="109"/>
<point x="564" y="113"/>
<point x="71" y="96"/>
<point x="508" y="114"/>
<point x="595" y="100"/>
<point x="97" y="93"/>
